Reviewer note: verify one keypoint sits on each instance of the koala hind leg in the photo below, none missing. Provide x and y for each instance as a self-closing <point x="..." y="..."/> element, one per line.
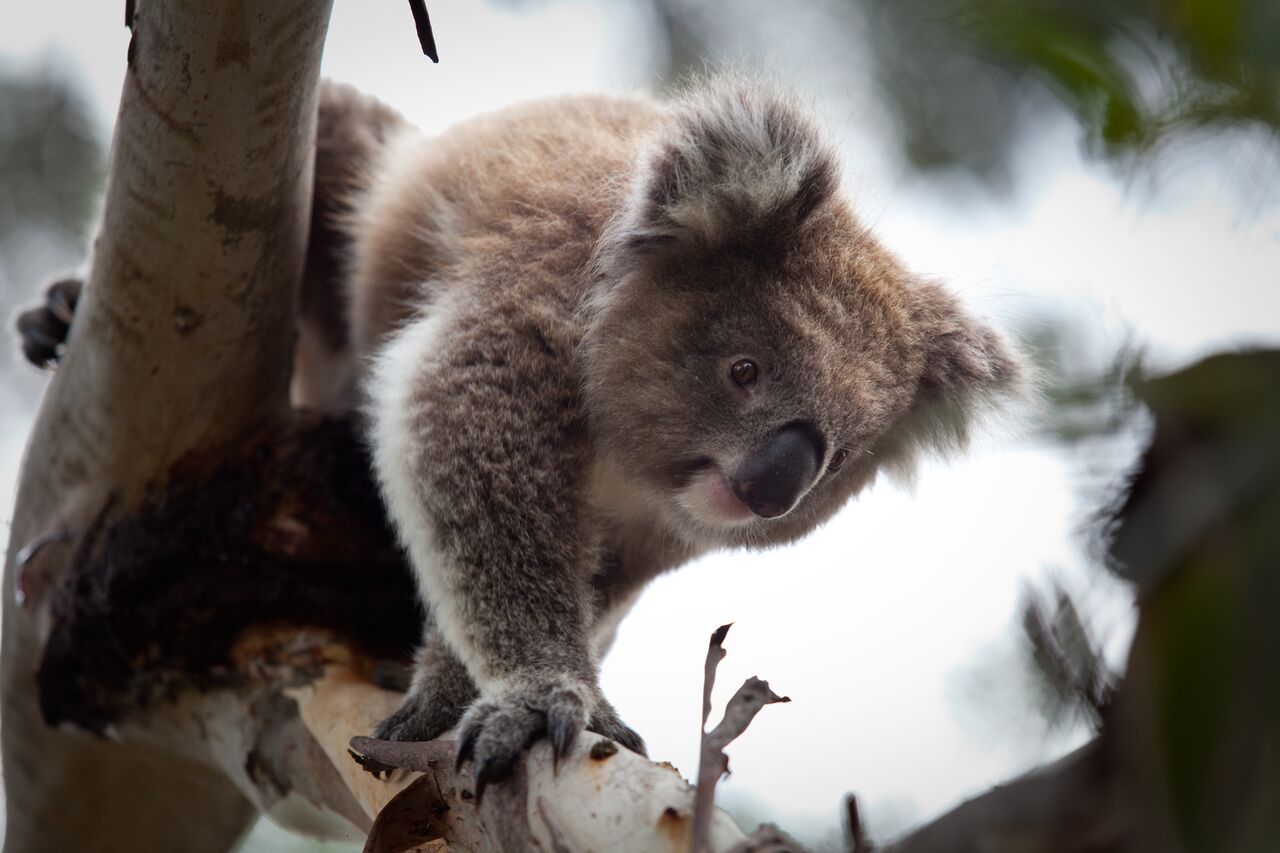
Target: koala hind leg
<point x="352" y="130"/>
<point x="441" y="690"/>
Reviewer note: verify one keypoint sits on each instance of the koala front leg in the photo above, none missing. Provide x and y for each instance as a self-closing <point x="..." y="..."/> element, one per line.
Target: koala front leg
<point x="480" y="449"/>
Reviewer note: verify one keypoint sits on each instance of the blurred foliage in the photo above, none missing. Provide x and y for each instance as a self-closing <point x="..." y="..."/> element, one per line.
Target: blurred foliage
<point x="963" y="75"/>
<point x="1213" y="463"/>
<point x="1087" y="409"/>
<point x="1067" y="666"/>
<point x="1198" y="535"/>
<point x="964" y="78"/>
<point x="1082" y="400"/>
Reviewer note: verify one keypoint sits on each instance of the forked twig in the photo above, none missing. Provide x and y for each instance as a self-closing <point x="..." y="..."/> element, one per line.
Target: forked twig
<point x="713" y="764"/>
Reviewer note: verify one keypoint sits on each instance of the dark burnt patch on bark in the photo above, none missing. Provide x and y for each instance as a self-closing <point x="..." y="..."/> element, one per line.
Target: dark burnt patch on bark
<point x="292" y="532"/>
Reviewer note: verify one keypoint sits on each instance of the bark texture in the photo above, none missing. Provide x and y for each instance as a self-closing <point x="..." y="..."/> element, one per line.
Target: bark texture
<point x="180" y="348"/>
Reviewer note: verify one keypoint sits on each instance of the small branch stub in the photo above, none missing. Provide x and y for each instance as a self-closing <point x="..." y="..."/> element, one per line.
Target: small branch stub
<point x="855" y="832"/>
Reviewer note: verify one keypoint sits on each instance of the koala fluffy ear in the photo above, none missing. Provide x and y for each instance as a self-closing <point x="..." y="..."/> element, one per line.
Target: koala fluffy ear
<point x="963" y="355"/>
<point x="967" y="366"/>
<point x="737" y="165"/>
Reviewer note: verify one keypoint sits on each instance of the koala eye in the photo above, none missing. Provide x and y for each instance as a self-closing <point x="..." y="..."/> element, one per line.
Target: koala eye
<point x="744" y="373"/>
<point x="837" y="460"/>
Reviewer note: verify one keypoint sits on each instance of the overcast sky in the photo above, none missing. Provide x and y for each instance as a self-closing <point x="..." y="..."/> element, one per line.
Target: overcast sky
<point x="892" y="629"/>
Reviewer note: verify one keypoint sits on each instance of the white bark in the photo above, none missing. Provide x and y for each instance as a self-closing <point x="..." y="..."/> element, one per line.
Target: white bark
<point x="181" y="344"/>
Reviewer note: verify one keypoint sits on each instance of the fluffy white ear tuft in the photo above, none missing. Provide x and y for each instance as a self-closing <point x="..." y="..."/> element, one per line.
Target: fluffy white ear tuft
<point x="738" y="164"/>
<point x="967" y="368"/>
<point x="964" y="357"/>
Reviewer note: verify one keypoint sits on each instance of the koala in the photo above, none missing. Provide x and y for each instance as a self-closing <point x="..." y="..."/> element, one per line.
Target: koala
<point x="592" y="338"/>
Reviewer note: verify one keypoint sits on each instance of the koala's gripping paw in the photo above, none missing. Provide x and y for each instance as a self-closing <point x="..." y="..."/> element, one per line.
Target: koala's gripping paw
<point x="496" y="731"/>
<point x="419" y="718"/>
<point x="43" y="329"/>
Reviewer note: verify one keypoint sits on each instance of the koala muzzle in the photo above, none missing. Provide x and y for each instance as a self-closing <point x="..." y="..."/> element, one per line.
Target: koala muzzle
<point x="774" y="478"/>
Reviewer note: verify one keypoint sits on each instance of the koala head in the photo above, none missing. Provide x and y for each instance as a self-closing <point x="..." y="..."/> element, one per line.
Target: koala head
<point x="753" y="356"/>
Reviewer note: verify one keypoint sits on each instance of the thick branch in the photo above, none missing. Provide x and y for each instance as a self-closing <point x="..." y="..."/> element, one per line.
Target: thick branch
<point x="601" y="797"/>
<point x="1069" y="805"/>
<point x="183" y="338"/>
<point x="283" y="737"/>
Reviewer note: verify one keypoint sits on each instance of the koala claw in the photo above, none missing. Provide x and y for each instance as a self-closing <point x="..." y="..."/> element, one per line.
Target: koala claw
<point x="486" y="772"/>
<point x="496" y="731"/>
<point x="606" y="722"/>
<point x="563" y="734"/>
<point x="466" y="747"/>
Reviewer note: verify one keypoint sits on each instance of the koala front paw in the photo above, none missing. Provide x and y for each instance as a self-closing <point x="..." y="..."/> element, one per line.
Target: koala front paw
<point x="497" y="730"/>
<point x="44" y="328"/>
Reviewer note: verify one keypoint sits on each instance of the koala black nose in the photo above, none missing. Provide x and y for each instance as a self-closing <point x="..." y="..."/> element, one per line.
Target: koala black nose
<point x="773" y="479"/>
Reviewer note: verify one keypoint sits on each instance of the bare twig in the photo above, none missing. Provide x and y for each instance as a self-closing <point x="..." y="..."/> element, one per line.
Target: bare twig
<point x="715" y="654"/>
<point x="753" y="695"/>
<point x="370" y="752"/>
<point x="855" y="832"/>
<point x="713" y="764"/>
<point x="1066" y="656"/>
<point x="422" y="23"/>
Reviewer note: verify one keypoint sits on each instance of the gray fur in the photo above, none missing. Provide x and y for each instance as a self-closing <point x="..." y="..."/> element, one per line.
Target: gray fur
<point x="543" y="305"/>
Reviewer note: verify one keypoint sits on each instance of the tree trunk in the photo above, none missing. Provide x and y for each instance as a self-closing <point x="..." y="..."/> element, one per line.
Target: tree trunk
<point x="181" y="347"/>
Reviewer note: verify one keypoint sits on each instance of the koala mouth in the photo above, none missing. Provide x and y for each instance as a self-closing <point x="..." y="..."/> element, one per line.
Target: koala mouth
<point x="708" y="496"/>
<point x="768" y="483"/>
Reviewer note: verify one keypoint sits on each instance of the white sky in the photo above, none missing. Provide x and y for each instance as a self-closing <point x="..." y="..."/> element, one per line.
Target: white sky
<point x="892" y="628"/>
